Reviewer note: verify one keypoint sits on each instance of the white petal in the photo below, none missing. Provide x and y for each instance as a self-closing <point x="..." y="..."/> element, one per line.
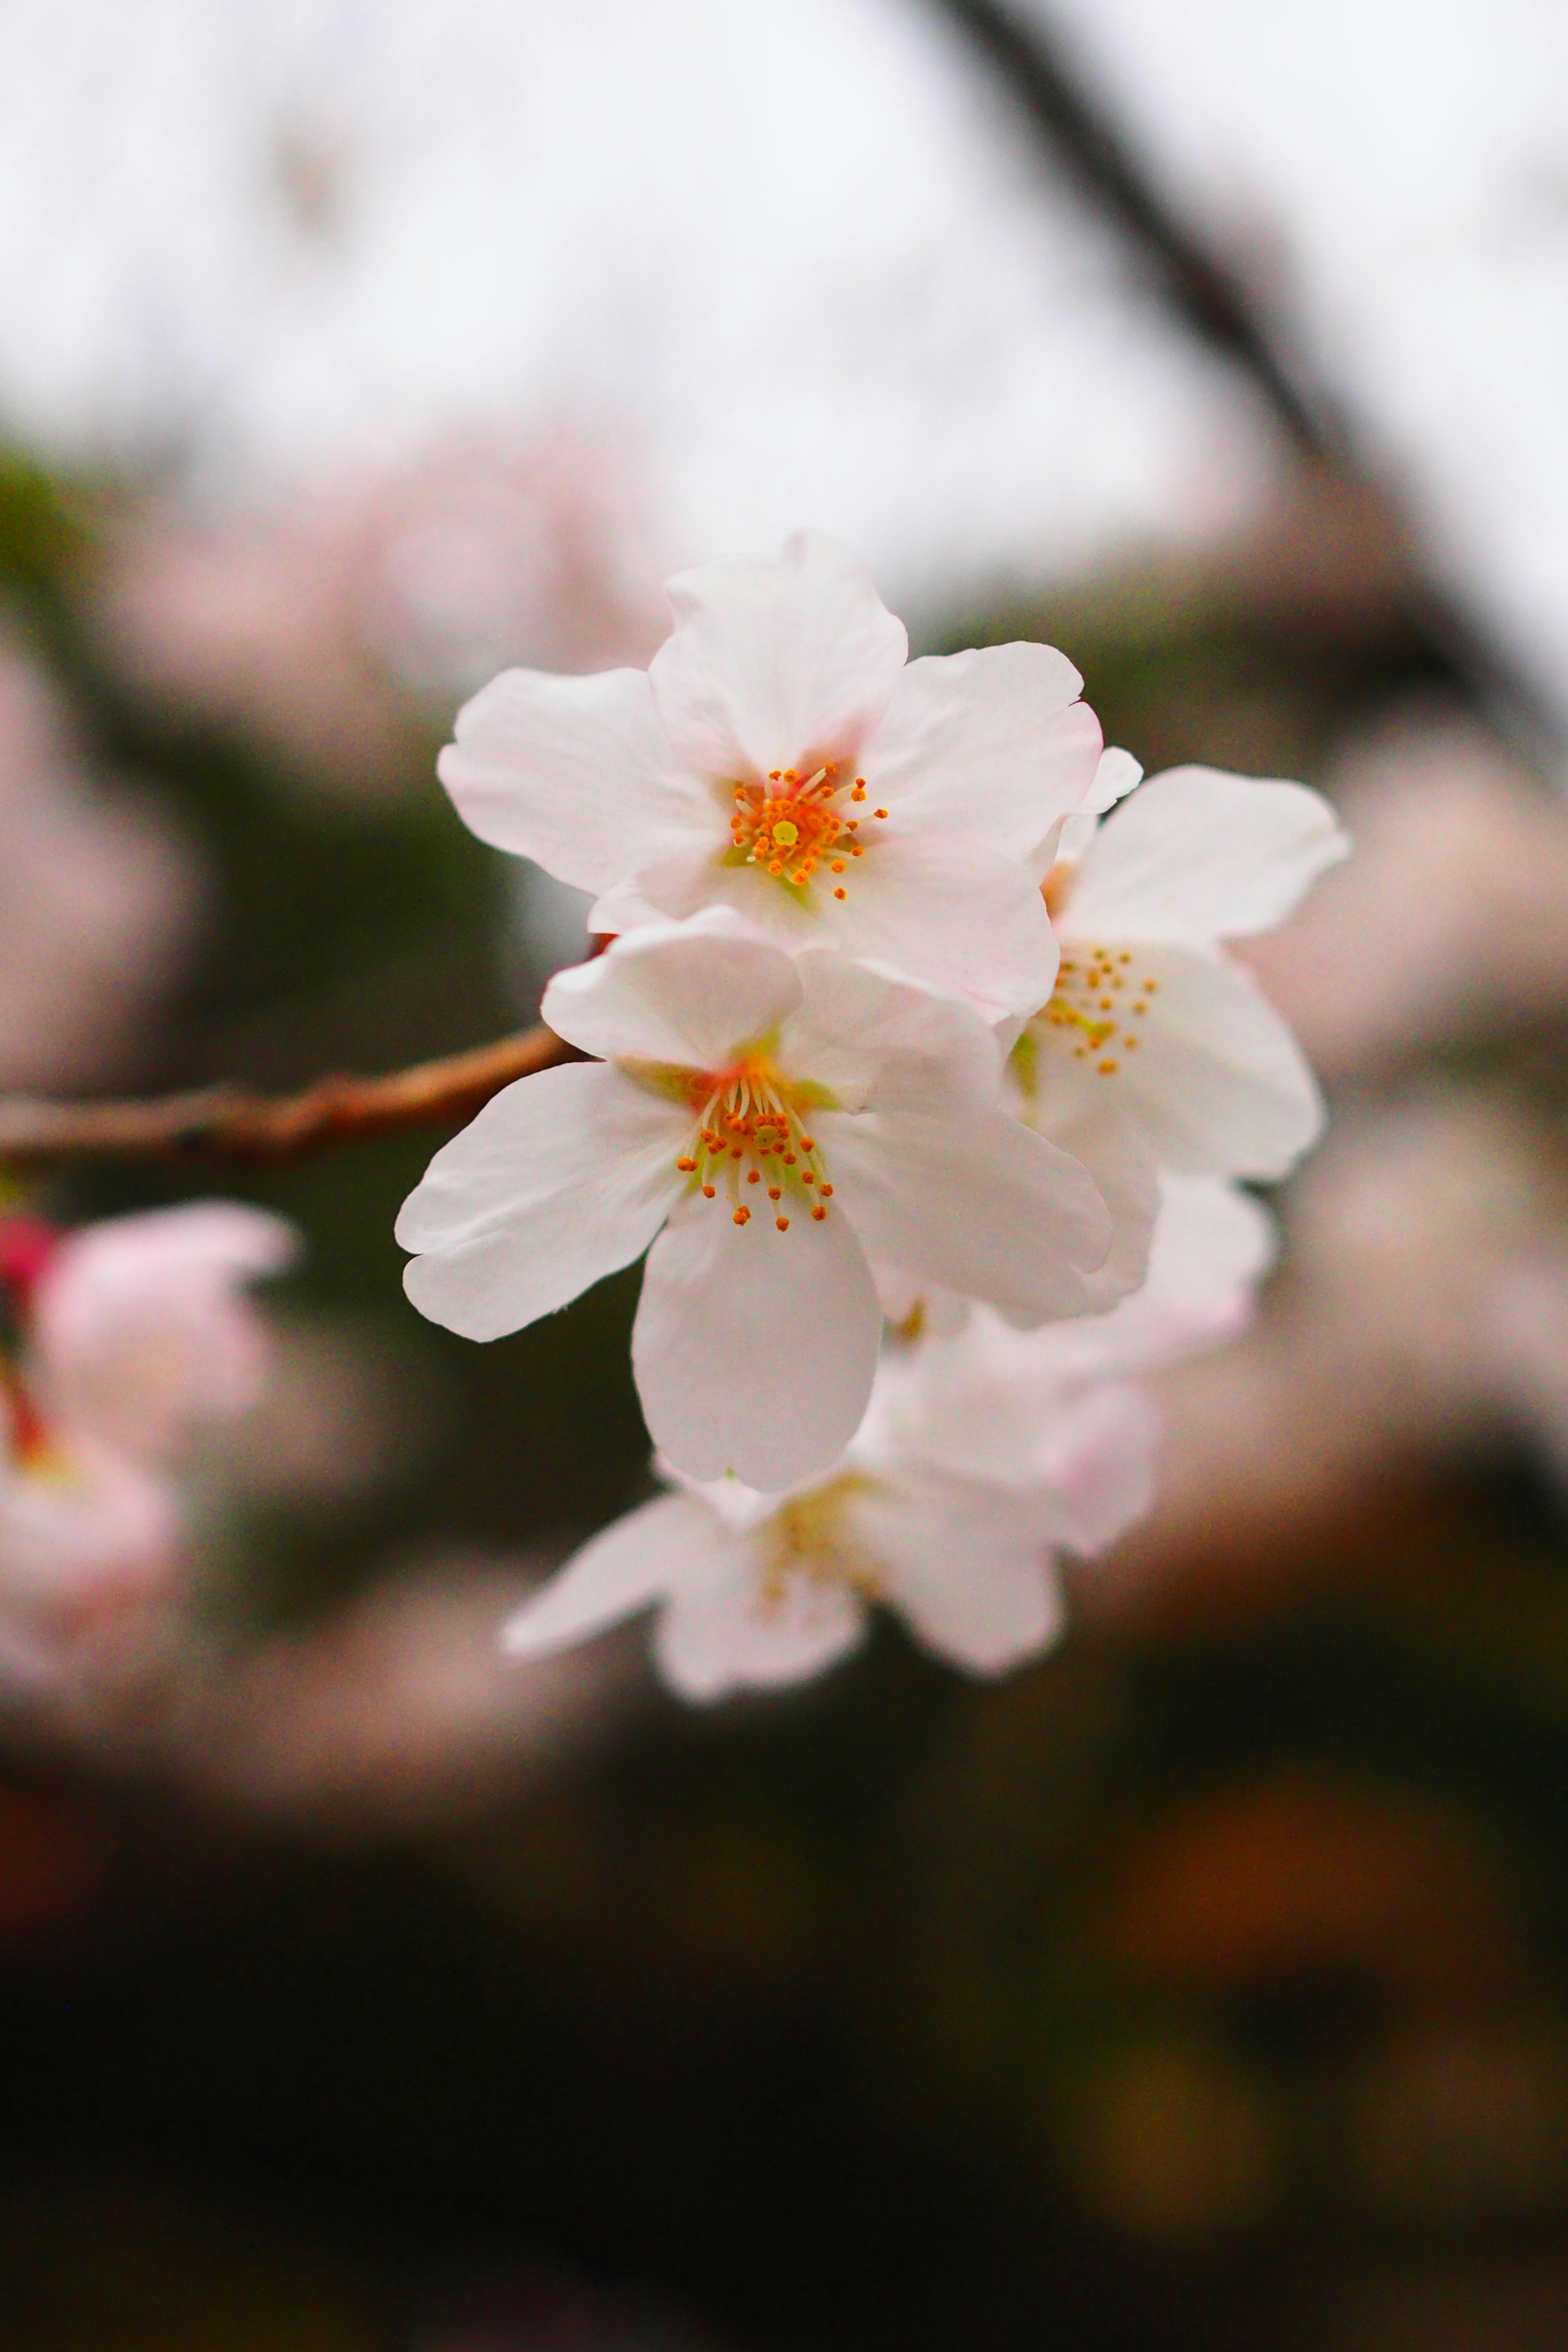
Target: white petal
<point x="953" y="914"/>
<point x="1106" y="1141"/>
<point x="574" y="772"/>
<point x="1113" y="779"/>
<point x="561" y="1178"/>
<point x="980" y="1594"/>
<point x="1197" y="856"/>
<point x="989" y="746"/>
<point x="1212" y="1244"/>
<point x="983" y="1206"/>
<point x="1218" y="1086"/>
<point x="731" y="1634"/>
<point x="1096" y="1462"/>
<point x="632" y="1562"/>
<point x="754" y="1350"/>
<point x="775" y="665"/>
<point x="687" y="994"/>
<point x="874" y="1040"/>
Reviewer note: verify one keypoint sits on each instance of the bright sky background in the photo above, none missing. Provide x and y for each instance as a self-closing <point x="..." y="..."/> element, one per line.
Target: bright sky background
<point x="792" y="248"/>
<point x="796" y="253"/>
<point x="1397" y="171"/>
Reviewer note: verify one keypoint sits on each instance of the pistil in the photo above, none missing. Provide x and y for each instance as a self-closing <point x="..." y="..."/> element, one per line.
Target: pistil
<point x="750" y="1132"/>
<point x="789" y="827"/>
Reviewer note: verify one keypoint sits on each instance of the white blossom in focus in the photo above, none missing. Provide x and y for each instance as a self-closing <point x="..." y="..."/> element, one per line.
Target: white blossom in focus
<point x="766" y="1122"/>
<point x="935" y="1511"/>
<point x="1151" y="1022"/>
<point x="128" y="1333"/>
<point x="781" y="756"/>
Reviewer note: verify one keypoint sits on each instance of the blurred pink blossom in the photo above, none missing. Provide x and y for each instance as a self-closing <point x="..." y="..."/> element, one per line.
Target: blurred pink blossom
<point x="327" y="624"/>
<point x="1450" y="920"/>
<point x="131" y="1331"/>
<point x="96" y="898"/>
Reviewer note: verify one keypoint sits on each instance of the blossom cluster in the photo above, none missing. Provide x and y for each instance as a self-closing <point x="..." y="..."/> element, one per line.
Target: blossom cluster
<point x="917" y="1066"/>
<point x="116" y="1340"/>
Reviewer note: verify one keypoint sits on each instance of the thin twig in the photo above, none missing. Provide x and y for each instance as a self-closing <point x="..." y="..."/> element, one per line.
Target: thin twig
<point x="234" y="1122"/>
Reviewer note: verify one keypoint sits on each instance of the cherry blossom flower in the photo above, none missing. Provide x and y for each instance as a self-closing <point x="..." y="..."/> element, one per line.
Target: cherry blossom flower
<point x="764" y="1121"/>
<point x="1148" y="1016"/>
<point x="781" y="756"/>
<point x="938" y="1510"/>
<point x="129" y="1332"/>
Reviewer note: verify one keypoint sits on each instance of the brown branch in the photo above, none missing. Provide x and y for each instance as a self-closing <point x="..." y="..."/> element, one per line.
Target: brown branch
<point x="233" y="1122"/>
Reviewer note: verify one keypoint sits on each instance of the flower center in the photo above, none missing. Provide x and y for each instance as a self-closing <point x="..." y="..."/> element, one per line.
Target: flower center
<point x="751" y="1135"/>
<point x="807" y="1539"/>
<point x="1097" y="998"/>
<point x="789" y="826"/>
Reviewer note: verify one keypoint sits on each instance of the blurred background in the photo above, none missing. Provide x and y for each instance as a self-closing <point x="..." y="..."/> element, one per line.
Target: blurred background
<point x="1203" y="1987"/>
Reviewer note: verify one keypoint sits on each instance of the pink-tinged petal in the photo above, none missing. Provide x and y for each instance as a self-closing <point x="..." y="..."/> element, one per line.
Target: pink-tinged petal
<point x="142" y="1326"/>
<point x="775" y="665"/>
<point x="979" y="1593"/>
<point x="734" y="1633"/>
<point x="562" y="1178"/>
<point x="574" y="772"/>
<point x="990" y="746"/>
<point x="628" y="1565"/>
<point x="89" y="1529"/>
<point x="687" y="994"/>
<point x="1096" y="1460"/>
<point x="754" y="1350"/>
<point x="875" y="1041"/>
<point x="949" y="914"/>
<point x="1219" y="1086"/>
<point x="1197" y="855"/>
<point x="983" y="1206"/>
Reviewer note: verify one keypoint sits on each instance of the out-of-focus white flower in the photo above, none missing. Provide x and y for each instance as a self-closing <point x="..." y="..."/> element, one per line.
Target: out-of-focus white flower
<point x="131" y="1331"/>
<point x="783" y="757"/>
<point x="771" y="1119"/>
<point x="938" y="1510"/>
<point x="325" y="627"/>
<point x="96" y="895"/>
<point x="1150" y="1018"/>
